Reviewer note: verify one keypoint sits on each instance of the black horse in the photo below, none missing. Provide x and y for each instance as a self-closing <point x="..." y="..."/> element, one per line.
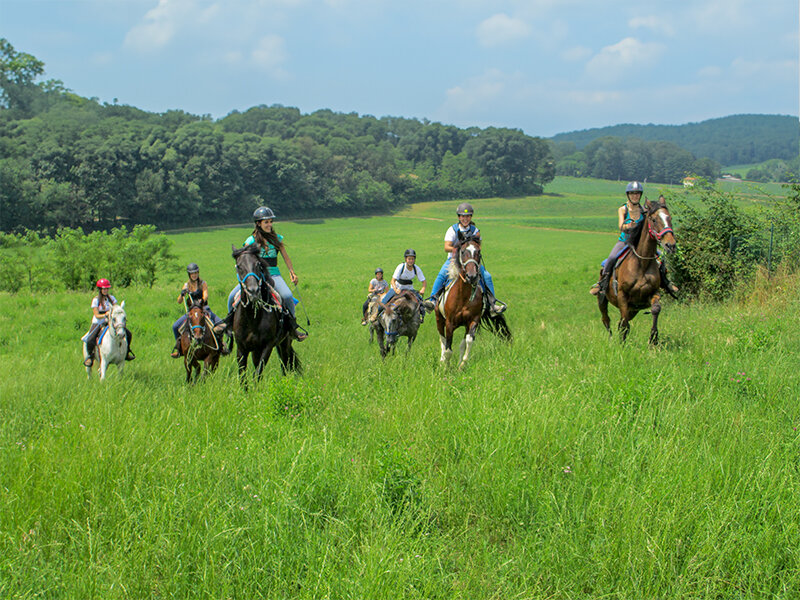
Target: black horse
<point x="259" y="321"/>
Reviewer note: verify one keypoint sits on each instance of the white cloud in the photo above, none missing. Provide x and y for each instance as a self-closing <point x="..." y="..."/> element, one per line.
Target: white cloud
<point x="269" y="54"/>
<point x="657" y="24"/>
<point x="481" y="91"/>
<point x="501" y="29"/>
<point x="160" y="25"/>
<point x="623" y="58"/>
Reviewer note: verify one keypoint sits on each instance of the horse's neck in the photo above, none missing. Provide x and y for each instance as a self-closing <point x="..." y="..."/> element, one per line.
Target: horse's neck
<point x="645" y="246"/>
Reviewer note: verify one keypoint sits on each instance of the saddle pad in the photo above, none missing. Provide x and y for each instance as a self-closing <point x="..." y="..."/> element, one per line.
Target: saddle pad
<point x="102" y="333"/>
<point x="618" y="258"/>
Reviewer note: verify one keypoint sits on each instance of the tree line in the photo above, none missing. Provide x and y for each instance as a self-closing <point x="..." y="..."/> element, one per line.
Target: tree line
<point x="69" y="161"/>
<point x="615" y="158"/>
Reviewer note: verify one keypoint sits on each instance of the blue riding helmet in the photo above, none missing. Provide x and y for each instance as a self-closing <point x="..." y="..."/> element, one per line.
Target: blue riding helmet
<point x="378" y="270"/>
<point x="634" y="186"/>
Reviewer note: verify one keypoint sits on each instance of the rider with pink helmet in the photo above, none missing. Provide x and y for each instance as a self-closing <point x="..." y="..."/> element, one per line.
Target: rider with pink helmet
<point x="101" y="310"/>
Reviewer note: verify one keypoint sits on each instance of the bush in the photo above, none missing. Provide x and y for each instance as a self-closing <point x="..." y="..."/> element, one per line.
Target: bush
<point x="720" y="245"/>
<point x="76" y="260"/>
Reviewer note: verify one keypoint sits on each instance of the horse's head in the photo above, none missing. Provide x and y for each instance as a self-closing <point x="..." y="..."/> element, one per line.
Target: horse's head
<point x="659" y="224"/>
<point x="390" y="321"/>
<point x="468" y="255"/>
<point x="118" y="320"/>
<point x="197" y="321"/>
<point x="249" y="270"/>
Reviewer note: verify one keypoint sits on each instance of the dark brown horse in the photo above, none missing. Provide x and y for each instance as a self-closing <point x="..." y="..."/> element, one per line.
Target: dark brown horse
<point x="462" y="304"/>
<point x="636" y="282"/>
<point x="199" y="345"/>
<point x="399" y="318"/>
<point x="259" y="322"/>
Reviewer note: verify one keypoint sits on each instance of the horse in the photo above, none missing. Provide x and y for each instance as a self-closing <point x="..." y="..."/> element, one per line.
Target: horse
<point x="636" y="282"/>
<point x="259" y="323"/>
<point x="462" y="303"/>
<point x="400" y="317"/>
<point x="373" y="312"/>
<point x="113" y="344"/>
<point x="199" y="345"/>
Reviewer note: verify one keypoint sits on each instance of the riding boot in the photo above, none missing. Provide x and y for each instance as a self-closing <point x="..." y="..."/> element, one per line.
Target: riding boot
<point x="666" y="284"/>
<point x="91" y="343"/>
<point x="176" y="351"/>
<point x="298" y="332"/>
<point x="130" y="355"/>
<point x="495" y="306"/>
<point x="224" y="350"/>
<point x="601" y="287"/>
<point x="430" y="303"/>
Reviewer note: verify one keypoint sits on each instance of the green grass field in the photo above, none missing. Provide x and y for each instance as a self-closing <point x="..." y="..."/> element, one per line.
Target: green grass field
<point x="562" y="466"/>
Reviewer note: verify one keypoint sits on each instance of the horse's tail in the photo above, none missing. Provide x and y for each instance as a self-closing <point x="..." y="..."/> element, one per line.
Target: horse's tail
<point x="496" y="324"/>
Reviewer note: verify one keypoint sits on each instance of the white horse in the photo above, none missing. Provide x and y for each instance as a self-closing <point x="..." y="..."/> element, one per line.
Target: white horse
<point x="113" y="348"/>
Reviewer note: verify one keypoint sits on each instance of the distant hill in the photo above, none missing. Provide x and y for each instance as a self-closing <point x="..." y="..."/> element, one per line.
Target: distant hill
<point x="737" y="139"/>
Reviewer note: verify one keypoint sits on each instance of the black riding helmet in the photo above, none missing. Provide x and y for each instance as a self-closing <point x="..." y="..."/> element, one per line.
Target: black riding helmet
<point x="192" y="268"/>
<point x="410" y="252"/>
<point x="263" y="212"/>
<point x="378" y="270"/>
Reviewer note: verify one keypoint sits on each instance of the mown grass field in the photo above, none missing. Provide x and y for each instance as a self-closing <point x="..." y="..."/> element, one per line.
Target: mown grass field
<point x="562" y="466"/>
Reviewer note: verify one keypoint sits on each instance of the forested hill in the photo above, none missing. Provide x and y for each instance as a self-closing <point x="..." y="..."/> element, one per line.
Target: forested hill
<point x="71" y="161"/>
<point x="738" y="139"/>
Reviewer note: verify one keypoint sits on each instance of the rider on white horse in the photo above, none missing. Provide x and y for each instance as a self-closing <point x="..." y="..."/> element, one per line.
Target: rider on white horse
<point x="465" y="227"/>
<point x="101" y="310"/>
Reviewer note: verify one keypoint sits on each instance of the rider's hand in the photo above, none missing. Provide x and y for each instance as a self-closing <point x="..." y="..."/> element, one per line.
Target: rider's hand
<point x="293" y="277"/>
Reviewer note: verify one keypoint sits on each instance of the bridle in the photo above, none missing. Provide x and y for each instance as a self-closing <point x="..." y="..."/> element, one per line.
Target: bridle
<point x="474" y="251"/>
<point x="655" y="235"/>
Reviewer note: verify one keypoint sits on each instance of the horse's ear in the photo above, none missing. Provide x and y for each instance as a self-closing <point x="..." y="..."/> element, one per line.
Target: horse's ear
<point x="122" y="305"/>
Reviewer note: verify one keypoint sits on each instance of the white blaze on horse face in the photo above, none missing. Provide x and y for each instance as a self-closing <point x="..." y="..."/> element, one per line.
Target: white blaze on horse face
<point x="664" y="218"/>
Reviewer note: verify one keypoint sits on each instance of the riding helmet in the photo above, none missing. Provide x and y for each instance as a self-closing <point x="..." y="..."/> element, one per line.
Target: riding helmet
<point x="410" y="252"/>
<point x="263" y="212"/>
<point x="104" y="284"/>
<point x="378" y="270"/>
<point x="465" y="208"/>
<point x="634" y="186"/>
<point x="192" y="268"/>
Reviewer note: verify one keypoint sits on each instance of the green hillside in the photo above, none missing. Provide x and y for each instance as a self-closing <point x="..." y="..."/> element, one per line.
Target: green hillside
<point x="736" y="139"/>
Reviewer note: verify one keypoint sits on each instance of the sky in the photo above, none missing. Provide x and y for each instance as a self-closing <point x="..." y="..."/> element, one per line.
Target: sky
<point x="542" y="66"/>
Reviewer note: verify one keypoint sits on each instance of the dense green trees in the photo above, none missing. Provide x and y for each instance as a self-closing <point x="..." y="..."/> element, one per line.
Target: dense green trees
<point x="71" y="161"/>
<point x="615" y="158"/>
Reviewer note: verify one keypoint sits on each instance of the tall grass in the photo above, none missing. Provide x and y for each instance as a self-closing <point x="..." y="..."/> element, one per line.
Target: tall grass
<point x="562" y="466"/>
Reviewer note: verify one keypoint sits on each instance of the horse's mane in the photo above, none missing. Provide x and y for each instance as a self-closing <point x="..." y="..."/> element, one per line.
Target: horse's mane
<point x="253" y="248"/>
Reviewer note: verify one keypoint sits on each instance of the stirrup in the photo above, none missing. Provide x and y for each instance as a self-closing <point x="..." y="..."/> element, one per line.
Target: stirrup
<point x="497" y="308"/>
<point x="130" y="355"/>
<point x="430" y="304"/>
<point x="300" y="334"/>
<point x="220" y="327"/>
<point x="595" y="289"/>
<point x="88" y="362"/>
<point x="175" y="353"/>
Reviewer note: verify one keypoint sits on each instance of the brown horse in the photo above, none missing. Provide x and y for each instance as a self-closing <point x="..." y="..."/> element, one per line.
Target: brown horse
<point x="199" y="344"/>
<point x="636" y="282"/>
<point x="462" y="304"/>
<point x="400" y="317"/>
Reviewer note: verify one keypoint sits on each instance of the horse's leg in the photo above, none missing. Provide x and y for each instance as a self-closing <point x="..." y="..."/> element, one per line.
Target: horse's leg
<point x="241" y="361"/>
<point x="625" y="316"/>
<point x="466" y="345"/>
<point x="447" y="345"/>
<point x="381" y="344"/>
<point x="102" y="368"/>
<point x="602" y="303"/>
<point x="85" y="356"/>
<point x="260" y="360"/>
<point x="655" y="309"/>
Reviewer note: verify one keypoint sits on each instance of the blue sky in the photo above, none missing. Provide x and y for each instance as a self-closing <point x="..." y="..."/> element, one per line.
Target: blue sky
<point x="543" y="66"/>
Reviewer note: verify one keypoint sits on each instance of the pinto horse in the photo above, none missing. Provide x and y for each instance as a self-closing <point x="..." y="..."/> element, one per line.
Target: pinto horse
<point x="400" y="317"/>
<point x="259" y="323"/>
<point x="199" y="345"/>
<point x="636" y="283"/>
<point x="462" y="303"/>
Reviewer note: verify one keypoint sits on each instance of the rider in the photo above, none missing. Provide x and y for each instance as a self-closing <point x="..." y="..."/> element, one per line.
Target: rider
<point x="403" y="278"/>
<point x="378" y="285"/>
<point x="271" y="244"/>
<point x="101" y="310"/>
<point x="197" y="290"/>
<point x="629" y="216"/>
<point x="466" y="227"/>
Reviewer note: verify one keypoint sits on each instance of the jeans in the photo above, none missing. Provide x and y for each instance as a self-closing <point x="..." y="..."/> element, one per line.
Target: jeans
<point x="441" y="279"/>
